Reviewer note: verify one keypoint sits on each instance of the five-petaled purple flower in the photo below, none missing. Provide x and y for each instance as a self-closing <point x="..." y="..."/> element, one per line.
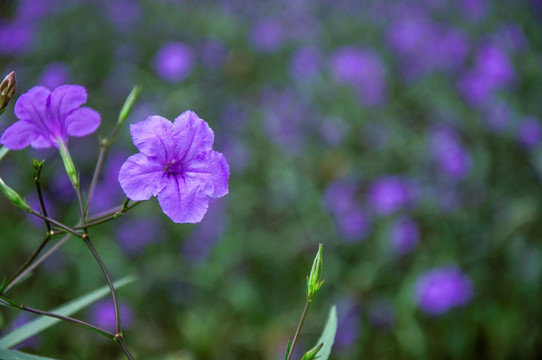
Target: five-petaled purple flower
<point x="176" y="164"/>
<point x="46" y="117"/>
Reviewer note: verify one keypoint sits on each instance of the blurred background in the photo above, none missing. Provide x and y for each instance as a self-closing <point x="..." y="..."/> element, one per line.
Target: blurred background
<point x="403" y="135"/>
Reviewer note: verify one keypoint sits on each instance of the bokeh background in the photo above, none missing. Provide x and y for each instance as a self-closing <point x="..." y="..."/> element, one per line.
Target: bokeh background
<point x="403" y="135"/>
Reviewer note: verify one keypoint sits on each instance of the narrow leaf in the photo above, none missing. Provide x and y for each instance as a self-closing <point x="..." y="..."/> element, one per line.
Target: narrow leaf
<point x="328" y="335"/>
<point x="287" y="350"/>
<point x="6" y="354"/>
<point x="34" y="327"/>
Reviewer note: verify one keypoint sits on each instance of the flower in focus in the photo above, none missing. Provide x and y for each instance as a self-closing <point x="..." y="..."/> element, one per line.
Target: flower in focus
<point x="442" y="289"/>
<point x="46" y="117"/>
<point x="176" y="164"/>
<point x="174" y="61"/>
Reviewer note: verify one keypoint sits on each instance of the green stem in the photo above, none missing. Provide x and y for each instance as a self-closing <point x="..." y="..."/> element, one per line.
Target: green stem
<point x="299" y="326"/>
<point x="42" y="203"/>
<point x="108" y="217"/>
<point x="57" y="223"/>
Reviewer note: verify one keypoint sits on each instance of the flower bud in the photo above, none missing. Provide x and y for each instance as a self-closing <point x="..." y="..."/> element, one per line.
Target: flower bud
<point x="313" y="281"/>
<point x="15" y="198"/>
<point x="128" y="105"/>
<point x="8" y="87"/>
<point x="68" y="164"/>
<point x="311" y="354"/>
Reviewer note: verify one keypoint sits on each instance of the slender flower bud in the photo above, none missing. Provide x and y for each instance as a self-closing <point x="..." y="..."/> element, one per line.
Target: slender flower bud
<point x="128" y="105"/>
<point x="37" y="167"/>
<point x="313" y="281"/>
<point x="68" y="164"/>
<point x="15" y="198"/>
<point x="311" y="354"/>
<point x="8" y="87"/>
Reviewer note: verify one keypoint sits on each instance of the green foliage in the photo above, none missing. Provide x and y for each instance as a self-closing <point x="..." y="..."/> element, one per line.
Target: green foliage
<point x="6" y="354"/>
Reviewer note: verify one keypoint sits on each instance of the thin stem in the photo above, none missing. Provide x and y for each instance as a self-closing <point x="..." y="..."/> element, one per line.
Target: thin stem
<point x="108" y="217"/>
<point x="87" y="241"/>
<point x="97" y="170"/>
<point x="28" y="261"/>
<point x="84" y="324"/>
<point x="120" y="339"/>
<point x="299" y="326"/>
<point x="42" y="203"/>
<point x="38" y="262"/>
<point x="57" y="223"/>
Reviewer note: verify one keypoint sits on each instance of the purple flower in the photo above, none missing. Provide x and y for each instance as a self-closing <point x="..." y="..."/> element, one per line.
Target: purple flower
<point x="267" y="35"/>
<point x="404" y="235"/>
<point x="451" y="156"/>
<point x="349" y="320"/>
<point x="174" y="61"/>
<point x="333" y="130"/>
<point x="305" y="63"/>
<point x="15" y="37"/>
<point x="530" y="132"/>
<point x="475" y="9"/>
<point x="362" y="69"/>
<point x="54" y="75"/>
<point x="354" y="225"/>
<point x="124" y="13"/>
<point x="46" y="117"/>
<point x="442" y="289"/>
<point x="389" y="194"/>
<point x="339" y="197"/>
<point x="176" y="164"/>
<point x="103" y="315"/>
<point x="22" y="319"/>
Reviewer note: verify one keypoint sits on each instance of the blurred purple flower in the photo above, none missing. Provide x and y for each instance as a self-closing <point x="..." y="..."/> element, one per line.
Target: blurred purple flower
<point x="333" y="130"/>
<point x="22" y="319"/>
<point x="348" y="323"/>
<point x="32" y="10"/>
<point x="176" y="164"/>
<point x="207" y="233"/>
<point x="353" y="225"/>
<point x="339" y="197"/>
<point x="103" y="315"/>
<point x="404" y="235"/>
<point x="213" y="53"/>
<point x="362" y="69"/>
<point x="442" y="289"/>
<point x="238" y="152"/>
<point x="174" y="61"/>
<point x="492" y="71"/>
<point x="134" y="235"/>
<point x="511" y="37"/>
<point x="124" y="14"/>
<point x="389" y="194"/>
<point x="16" y="36"/>
<point x="474" y="9"/>
<point x="305" y="63"/>
<point x="497" y="115"/>
<point x="54" y="75"/>
<point x="530" y="132"/>
<point x="46" y="117"/>
<point x="267" y="35"/>
<point x="451" y="156"/>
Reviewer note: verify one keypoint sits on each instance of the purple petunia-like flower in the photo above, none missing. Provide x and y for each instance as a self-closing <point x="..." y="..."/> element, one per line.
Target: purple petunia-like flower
<point x="45" y="117"/>
<point x="176" y="164"/>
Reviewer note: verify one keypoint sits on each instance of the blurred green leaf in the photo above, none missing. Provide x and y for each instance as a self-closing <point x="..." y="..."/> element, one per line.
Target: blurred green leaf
<point x="34" y="327"/>
<point x="3" y="151"/>
<point x="328" y="335"/>
<point x="6" y="354"/>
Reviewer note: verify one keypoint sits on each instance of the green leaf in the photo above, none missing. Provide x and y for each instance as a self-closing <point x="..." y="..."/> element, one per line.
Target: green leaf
<point x="6" y="354"/>
<point x="328" y="335"/>
<point x="3" y="151"/>
<point x="287" y="350"/>
<point x="3" y="284"/>
<point x="34" y="327"/>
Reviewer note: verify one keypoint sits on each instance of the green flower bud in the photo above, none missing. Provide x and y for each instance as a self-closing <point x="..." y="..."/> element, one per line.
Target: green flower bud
<point x="68" y="164"/>
<point x="8" y="87"/>
<point x="15" y="198"/>
<point x="128" y="105"/>
<point x="314" y="283"/>
<point x="311" y="354"/>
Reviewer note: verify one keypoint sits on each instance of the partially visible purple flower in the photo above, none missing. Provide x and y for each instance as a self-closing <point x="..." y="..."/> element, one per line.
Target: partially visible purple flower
<point x="353" y="225"/>
<point x="33" y="10"/>
<point x="404" y="235"/>
<point x="305" y="63"/>
<point x="451" y="156"/>
<point x="133" y="236"/>
<point x="442" y="289"/>
<point x="511" y="36"/>
<point x="22" y="319"/>
<point x="237" y="151"/>
<point x="389" y="194"/>
<point x="363" y="70"/>
<point x="348" y="323"/>
<point x="46" y="117"/>
<point x="339" y="197"/>
<point x="267" y="35"/>
<point x="16" y="36"/>
<point x="176" y="164"/>
<point x="530" y="132"/>
<point x="174" y="61"/>
<point x="474" y="9"/>
<point x="103" y="315"/>
<point x="124" y="14"/>
<point x="498" y="116"/>
<point x="54" y="75"/>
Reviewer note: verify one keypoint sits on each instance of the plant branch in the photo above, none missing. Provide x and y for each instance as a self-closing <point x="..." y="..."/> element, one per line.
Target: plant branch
<point x="40" y="197"/>
<point x="299" y="326"/>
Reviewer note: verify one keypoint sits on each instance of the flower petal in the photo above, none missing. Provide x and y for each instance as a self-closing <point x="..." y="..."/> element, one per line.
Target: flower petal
<point x="193" y="135"/>
<point x="19" y="135"/>
<point x="153" y="137"/>
<point x="66" y="99"/>
<point x="82" y="122"/>
<point x="33" y="106"/>
<point x="212" y="170"/>
<point x="141" y="177"/>
<point x="42" y="143"/>
<point x="183" y="200"/>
